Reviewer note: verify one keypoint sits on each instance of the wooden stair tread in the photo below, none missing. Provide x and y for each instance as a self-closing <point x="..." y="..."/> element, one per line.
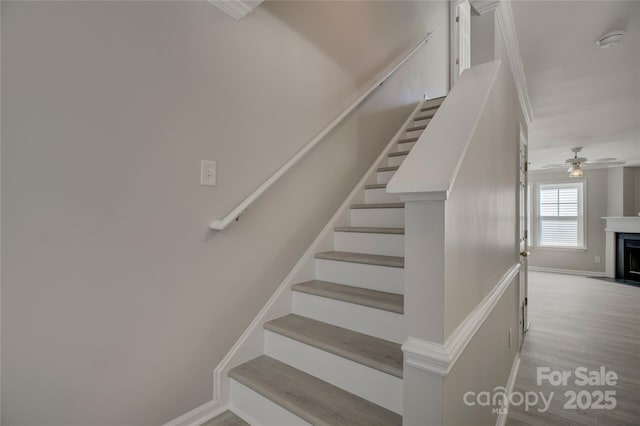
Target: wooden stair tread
<point x="226" y="419"/>
<point x="424" y="117"/>
<point x="398" y="153"/>
<point x="311" y="399"/>
<point x="429" y="108"/>
<point x="375" y="186"/>
<point x="388" y="169"/>
<point x="407" y="140"/>
<point x="360" y="296"/>
<point x="367" y="259"/>
<point x="378" y="206"/>
<point x="367" y="350"/>
<point x="370" y="230"/>
<point x="416" y="128"/>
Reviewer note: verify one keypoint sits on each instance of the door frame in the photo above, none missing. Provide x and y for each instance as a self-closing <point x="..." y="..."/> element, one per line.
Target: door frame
<point x="454" y="37"/>
<point x="523" y="232"/>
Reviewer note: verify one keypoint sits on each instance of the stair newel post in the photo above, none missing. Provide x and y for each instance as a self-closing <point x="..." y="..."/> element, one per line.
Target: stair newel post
<point x="424" y="289"/>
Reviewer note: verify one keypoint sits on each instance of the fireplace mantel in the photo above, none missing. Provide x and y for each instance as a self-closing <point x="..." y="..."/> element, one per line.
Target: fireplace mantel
<point x="616" y="224"/>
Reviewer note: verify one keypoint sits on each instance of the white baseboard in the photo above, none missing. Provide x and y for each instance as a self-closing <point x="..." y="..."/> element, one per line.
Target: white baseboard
<point x="568" y="271"/>
<point x="504" y="409"/>
<point x="199" y="415"/>
<point x="251" y="342"/>
<point x="439" y="358"/>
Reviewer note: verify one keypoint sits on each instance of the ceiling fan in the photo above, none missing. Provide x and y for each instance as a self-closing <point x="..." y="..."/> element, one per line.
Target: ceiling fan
<point x="576" y="163"/>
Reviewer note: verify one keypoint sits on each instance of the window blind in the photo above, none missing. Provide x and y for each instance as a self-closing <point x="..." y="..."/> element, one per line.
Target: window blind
<point x="560" y="211"/>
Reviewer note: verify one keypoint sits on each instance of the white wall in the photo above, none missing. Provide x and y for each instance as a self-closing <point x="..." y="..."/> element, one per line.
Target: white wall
<point x="117" y="301"/>
<point x="598" y="192"/>
<point x="482" y="38"/>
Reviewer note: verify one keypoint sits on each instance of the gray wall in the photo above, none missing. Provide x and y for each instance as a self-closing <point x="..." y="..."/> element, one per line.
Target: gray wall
<point x="117" y="302"/>
<point x="598" y="192"/>
<point x="482" y="38"/>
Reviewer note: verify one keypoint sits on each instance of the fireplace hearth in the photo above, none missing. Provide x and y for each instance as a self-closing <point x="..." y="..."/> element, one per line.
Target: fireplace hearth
<point x="628" y="257"/>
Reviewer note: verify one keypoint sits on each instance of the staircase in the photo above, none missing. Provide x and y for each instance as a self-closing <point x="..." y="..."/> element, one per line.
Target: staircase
<point x="336" y="359"/>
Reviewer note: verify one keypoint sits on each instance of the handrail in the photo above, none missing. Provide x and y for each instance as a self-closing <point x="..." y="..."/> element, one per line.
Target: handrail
<point x="221" y="224"/>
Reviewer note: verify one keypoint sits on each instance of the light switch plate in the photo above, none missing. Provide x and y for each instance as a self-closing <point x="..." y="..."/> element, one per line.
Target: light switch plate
<point x="208" y="173"/>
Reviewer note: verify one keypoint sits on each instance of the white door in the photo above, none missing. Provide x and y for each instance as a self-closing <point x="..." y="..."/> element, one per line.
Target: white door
<point x="524" y="235"/>
<point x="461" y="49"/>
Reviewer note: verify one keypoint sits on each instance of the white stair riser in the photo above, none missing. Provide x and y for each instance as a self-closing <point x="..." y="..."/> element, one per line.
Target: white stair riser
<point x="395" y="161"/>
<point x="405" y="146"/>
<point x="256" y="410"/>
<point x="363" y="319"/>
<point x="377" y="217"/>
<point x="379" y="195"/>
<point x="368" y="383"/>
<point x="374" y="277"/>
<point x="384" y="177"/>
<point x="422" y="122"/>
<point x="413" y="134"/>
<point x="370" y="243"/>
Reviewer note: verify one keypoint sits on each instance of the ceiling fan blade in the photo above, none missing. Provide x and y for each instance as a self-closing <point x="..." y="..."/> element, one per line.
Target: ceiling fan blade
<point x="555" y="166"/>
<point x="605" y="160"/>
<point x="604" y="163"/>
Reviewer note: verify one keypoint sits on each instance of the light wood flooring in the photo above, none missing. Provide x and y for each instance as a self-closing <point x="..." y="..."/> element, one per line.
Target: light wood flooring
<point x="578" y="321"/>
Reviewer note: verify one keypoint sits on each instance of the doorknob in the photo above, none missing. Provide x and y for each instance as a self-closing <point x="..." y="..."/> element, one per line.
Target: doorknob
<point x="524" y="253"/>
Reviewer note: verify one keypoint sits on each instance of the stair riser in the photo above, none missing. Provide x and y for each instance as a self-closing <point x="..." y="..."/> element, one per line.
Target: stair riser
<point x="258" y="410"/>
<point x="384" y="177"/>
<point x="421" y="122"/>
<point x="379" y="195"/>
<point x="406" y="146"/>
<point x="377" y="217"/>
<point x="374" y="277"/>
<point x="363" y="319"/>
<point x="395" y="161"/>
<point x="413" y="134"/>
<point x="360" y="242"/>
<point x="373" y="385"/>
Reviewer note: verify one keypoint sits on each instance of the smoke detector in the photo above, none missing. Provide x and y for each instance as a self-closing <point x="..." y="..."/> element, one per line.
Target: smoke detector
<point x="610" y="39"/>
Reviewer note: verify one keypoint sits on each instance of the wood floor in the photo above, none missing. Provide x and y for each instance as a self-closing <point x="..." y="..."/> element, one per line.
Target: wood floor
<point x="575" y="322"/>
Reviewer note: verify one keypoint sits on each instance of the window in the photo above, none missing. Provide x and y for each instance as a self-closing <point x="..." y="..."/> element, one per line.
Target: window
<point x="561" y="215"/>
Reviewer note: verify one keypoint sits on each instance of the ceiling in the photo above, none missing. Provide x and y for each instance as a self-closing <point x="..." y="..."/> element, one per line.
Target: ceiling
<point x="582" y="95"/>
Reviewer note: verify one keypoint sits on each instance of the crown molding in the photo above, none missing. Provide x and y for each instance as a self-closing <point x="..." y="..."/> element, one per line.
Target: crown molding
<point x="237" y="9"/>
<point x="507" y="28"/>
<point x="440" y="358"/>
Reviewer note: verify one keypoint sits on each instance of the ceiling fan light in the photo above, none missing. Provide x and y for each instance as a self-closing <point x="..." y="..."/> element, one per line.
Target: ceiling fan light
<point x="576" y="171"/>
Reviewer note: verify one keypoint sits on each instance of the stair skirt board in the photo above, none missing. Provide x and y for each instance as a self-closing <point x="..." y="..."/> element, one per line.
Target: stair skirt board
<point x="376" y="386"/>
<point x="377" y="217"/>
<point x="250" y="406"/>
<point x="373" y="277"/>
<point x="371" y="243"/>
<point x="380" y="195"/>
<point x="363" y="319"/>
<point x="384" y="177"/>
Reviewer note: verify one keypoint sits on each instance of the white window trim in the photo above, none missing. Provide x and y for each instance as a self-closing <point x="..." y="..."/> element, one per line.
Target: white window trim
<point x="536" y="209"/>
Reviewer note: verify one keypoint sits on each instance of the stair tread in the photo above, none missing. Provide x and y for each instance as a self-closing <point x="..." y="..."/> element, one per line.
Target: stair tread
<point x="407" y="140"/>
<point x="415" y="128"/>
<point x="227" y="418"/>
<point x="308" y="397"/>
<point x="375" y="186"/>
<point x="370" y="229"/>
<point x="360" y="296"/>
<point x="398" y="153"/>
<point x="430" y="108"/>
<point x="388" y="169"/>
<point x="367" y="350"/>
<point x="424" y="117"/>
<point x="367" y="259"/>
<point x="378" y="206"/>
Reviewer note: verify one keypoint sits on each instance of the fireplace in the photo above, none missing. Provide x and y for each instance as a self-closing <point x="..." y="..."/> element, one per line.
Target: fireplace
<point x="628" y="257"/>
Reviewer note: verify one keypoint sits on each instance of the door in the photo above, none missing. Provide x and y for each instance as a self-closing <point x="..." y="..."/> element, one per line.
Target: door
<point x="523" y="234"/>
<point x="461" y="38"/>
